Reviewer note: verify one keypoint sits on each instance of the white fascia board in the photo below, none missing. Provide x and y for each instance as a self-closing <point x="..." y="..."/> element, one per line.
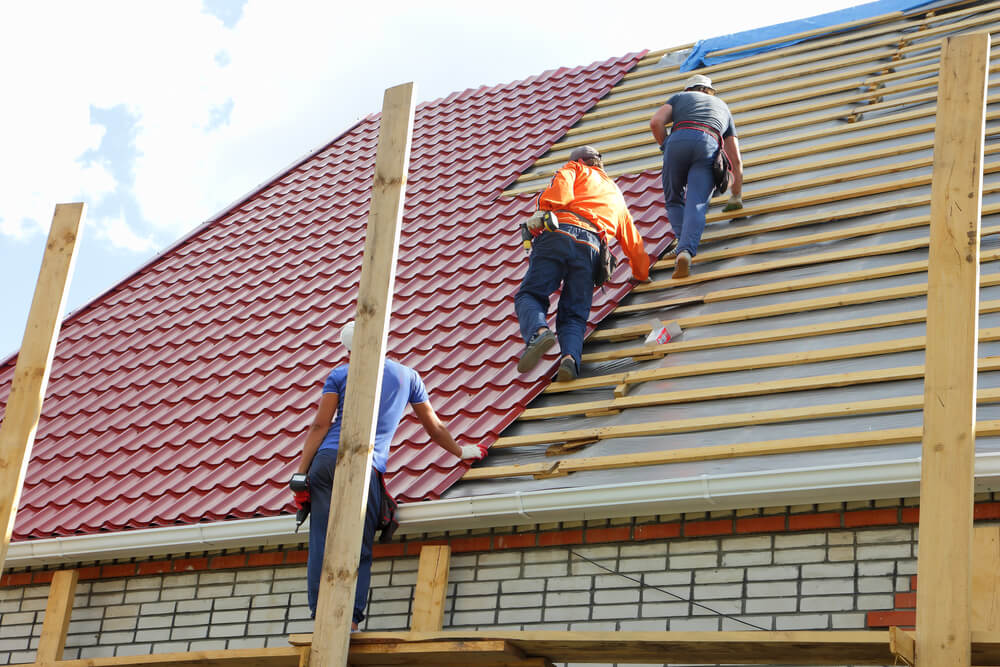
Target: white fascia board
<point x="866" y="481"/>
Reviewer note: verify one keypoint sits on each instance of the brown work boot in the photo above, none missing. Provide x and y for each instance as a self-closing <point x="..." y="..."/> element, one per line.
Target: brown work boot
<point x="682" y="269"/>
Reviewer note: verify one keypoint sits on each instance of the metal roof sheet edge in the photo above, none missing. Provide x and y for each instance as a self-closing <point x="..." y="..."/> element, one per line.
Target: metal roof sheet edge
<point x="894" y="479"/>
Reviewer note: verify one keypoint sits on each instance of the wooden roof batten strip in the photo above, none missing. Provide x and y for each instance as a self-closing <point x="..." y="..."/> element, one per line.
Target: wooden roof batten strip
<point x="748" y="151"/>
<point x="768" y="388"/>
<point x="554" y="155"/>
<point x="738" y="420"/>
<point x="820" y="443"/>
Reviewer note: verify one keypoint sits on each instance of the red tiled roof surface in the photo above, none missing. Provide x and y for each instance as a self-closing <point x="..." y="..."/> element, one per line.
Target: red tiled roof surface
<point x="182" y="395"/>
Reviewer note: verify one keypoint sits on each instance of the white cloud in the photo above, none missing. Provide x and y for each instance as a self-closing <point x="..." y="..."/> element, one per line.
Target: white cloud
<point x="118" y="233"/>
<point x="293" y="74"/>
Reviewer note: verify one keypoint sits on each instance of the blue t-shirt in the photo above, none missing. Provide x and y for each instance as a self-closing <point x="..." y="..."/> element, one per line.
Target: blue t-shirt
<point x="400" y="385"/>
<point x="702" y="108"/>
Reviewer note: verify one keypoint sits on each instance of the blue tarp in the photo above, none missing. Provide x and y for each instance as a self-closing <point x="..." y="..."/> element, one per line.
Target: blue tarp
<point x="699" y="55"/>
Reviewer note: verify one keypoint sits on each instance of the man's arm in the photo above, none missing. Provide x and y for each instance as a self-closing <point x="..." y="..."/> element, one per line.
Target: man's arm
<point x="435" y="428"/>
<point x="658" y="123"/>
<point x="439" y="433"/>
<point x="325" y="413"/>
<point x="631" y="242"/>
<point x="732" y="147"/>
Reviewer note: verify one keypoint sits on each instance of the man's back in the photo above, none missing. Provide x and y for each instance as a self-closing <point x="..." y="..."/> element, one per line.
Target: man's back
<point x="400" y="385"/>
<point x="702" y="108"/>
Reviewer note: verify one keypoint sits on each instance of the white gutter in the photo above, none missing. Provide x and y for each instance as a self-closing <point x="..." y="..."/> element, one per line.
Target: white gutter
<point x="864" y="481"/>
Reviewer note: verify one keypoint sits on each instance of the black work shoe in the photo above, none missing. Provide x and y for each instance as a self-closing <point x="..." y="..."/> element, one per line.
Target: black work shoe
<point x="539" y="344"/>
<point x="567" y="370"/>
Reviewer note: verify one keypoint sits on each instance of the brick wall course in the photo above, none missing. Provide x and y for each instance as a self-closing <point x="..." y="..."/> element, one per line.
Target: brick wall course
<point x="804" y="570"/>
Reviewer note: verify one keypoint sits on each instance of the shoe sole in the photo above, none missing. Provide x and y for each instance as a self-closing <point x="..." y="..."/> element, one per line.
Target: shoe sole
<point x="566" y="373"/>
<point x="683" y="268"/>
<point x="534" y="353"/>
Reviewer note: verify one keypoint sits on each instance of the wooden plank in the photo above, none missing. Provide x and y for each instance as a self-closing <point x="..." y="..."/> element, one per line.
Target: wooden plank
<point x="749" y="338"/>
<point x="902" y="645"/>
<point x="783" y="386"/>
<point x="772" y="310"/>
<point x="816" y="57"/>
<point x="791" y="262"/>
<point x="281" y="656"/>
<point x="761" y="647"/>
<point x="535" y="178"/>
<point x="432" y="585"/>
<point x="335" y="606"/>
<point x="564" y="467"/>
<point x="460" y="653"/>
<point x="784" y="286"/>
<point x="946" y="483"/>
<point x="985" y="576"/>
<point x="57" y="614"/>
<point x="788" y="415"/>
<point x="816" y="49"/>
<point x="34" y="361"/>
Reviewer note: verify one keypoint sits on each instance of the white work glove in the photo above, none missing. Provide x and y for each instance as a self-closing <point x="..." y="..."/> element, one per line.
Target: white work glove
<point x="734" y="204"/>
<point x="540" y="221"/>
<point x="474" y="452"/>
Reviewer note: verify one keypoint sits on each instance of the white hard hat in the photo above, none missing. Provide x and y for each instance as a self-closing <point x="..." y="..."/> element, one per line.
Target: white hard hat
<point x="347" y="335"/>
<point x="698" y="80"/>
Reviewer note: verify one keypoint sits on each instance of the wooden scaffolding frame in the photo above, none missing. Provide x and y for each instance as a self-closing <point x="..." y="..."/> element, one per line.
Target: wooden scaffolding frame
<point x="959" y="623"/>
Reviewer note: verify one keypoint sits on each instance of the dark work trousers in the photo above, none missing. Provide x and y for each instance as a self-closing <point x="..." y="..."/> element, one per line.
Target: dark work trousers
<point x="320" y="487"/>
<point x="688" y="184"/>
<point x="565" y="256"/>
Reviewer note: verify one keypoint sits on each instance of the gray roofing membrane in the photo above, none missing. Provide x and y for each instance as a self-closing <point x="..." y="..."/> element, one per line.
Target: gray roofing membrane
<point x="853" y="199"/>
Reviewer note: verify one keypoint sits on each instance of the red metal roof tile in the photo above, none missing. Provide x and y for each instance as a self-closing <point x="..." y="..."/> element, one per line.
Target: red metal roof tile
<point x="183" y="393"/>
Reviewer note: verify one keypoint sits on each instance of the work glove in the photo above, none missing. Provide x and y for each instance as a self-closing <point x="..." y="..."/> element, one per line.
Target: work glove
<point x="539" y="221"/>
<point x="734" y="204"/>
<point x="474" y="452"/>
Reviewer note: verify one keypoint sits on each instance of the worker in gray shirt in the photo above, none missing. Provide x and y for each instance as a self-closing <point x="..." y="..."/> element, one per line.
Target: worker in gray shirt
<point x="702" y="125"/>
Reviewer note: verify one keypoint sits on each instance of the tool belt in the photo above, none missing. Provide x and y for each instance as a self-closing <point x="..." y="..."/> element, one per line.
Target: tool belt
<point x="581" y="222"/>
<point x="606" y="262"/>
<point x="701" y="127"/>
<point x="722" y="168"/>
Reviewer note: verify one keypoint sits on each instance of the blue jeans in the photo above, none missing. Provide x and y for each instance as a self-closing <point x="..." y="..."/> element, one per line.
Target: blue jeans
<point x="566" y="256"/>
<point x="687" y="162"/>
<point x="320" y="487"/>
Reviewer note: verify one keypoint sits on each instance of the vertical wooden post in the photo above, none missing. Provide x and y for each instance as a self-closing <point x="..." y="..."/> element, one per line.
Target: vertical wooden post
<point x="31" y="374"/>
<point x="432" y="586"/>
<point x="986" y="579"/>
<point x="57" y="613"/>
<point x="946" y="485"/>
<point x="349" y="499"/>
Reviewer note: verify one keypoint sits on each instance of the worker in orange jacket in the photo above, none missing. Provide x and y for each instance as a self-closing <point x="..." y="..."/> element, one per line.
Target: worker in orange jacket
<point x="588" y="206"/>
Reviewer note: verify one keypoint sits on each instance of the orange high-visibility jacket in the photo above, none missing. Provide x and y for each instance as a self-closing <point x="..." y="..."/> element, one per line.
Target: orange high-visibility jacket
<point x="591" y="193"/>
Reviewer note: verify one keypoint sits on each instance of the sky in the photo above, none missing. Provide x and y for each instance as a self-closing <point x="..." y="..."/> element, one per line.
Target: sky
<point x="160" y="114"/>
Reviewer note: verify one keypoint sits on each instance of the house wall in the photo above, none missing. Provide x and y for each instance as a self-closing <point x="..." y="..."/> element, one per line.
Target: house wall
<point x="838" y="566"/>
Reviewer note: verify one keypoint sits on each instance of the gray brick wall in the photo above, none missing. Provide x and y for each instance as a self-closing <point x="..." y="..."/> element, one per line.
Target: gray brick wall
<point x="820" y="580"/>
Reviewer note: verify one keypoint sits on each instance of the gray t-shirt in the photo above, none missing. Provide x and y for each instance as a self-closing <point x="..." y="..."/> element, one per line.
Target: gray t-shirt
<point x="702" y="108"/>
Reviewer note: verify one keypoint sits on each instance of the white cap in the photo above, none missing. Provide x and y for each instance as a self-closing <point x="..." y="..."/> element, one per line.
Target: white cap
<point x="347" y="335"/>
<point x="698" y="80"/>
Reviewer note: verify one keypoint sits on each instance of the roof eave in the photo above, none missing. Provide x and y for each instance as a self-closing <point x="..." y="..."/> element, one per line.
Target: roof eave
<point x="865" y="481"/>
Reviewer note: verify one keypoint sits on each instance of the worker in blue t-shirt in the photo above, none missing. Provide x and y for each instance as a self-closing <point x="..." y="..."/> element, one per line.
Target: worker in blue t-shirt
<point x="702" y="126"/>
<point x="400" y="386"/>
